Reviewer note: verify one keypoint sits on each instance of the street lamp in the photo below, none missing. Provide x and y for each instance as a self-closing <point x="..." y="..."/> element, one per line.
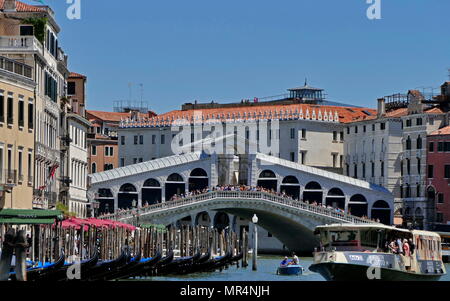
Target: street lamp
<point x="255" y="242"/>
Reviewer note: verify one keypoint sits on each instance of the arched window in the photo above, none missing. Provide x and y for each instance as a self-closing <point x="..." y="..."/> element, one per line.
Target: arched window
<point x="267" y="174"/>
<point x="128" y="188"/>
<point x="151" y="183"/>
<point x="94" y="168"/>
<point x="313" y="186"/>
<point x="175" y="178"/>
<point x="408" y="143"/>
<point x="419" y="142"/>
<point x="290" y="180"/>
<point x="198" y="172"/>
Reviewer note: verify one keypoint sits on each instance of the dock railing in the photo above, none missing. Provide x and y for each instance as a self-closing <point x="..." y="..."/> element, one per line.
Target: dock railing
<point x="239" y="195"/>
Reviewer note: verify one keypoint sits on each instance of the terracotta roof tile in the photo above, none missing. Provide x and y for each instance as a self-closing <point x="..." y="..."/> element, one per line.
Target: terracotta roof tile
<point x="23" y="7"/>
<point x="443" y="131"/>
<point x="76" y="75"/>
<point x="111" y="116"/>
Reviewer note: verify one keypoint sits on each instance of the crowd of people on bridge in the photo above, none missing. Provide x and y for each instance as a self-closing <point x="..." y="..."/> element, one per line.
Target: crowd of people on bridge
<point x="282" y="194"/>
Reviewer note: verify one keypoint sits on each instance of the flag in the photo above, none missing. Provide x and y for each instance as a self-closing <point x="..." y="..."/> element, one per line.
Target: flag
<point x="40" y="1"/>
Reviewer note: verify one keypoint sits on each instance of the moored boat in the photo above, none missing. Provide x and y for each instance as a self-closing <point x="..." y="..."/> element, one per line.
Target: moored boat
<point x="292" y="269"/>
<point x="370" y="252"/>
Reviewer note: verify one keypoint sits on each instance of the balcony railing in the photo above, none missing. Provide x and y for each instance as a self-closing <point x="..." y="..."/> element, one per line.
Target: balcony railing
<point x="8" y="176"/>
<point x="16" y="67"/>
<point x="230" y="195"/>
<point x="29" y="43"/>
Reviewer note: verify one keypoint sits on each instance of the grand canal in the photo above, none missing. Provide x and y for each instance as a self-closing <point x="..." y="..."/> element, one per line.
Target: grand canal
<point x="267" y="266"/>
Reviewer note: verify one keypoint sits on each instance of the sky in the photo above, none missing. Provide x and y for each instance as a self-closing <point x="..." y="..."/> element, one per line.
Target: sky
<point x="205" y="50"/>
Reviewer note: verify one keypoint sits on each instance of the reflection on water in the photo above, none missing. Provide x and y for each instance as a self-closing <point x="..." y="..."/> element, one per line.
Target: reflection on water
<point x="267" y="268"/>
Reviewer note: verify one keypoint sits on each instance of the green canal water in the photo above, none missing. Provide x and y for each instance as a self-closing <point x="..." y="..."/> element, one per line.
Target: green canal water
<point x="267" y="267"/>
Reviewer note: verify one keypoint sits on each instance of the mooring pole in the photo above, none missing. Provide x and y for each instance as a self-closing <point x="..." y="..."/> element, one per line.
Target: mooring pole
<point x="255" y="242"/>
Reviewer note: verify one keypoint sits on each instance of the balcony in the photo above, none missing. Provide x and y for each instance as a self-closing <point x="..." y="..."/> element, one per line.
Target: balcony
<point x="8" y="176"/>
<point x="66" y="181"/>
<point x="20" y="43"/>
<point x="52" y="198"/>
<point x="16" y="67"/>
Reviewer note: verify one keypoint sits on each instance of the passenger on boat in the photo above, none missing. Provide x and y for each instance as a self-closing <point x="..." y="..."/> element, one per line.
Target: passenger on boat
<point x="412" y="246"/>
<point x="400" y="246"/>
<point x="393" y="247"/>
<point x="295" y="259"/>
<point x="407" y="255"/>
<point x="285" y="262"/>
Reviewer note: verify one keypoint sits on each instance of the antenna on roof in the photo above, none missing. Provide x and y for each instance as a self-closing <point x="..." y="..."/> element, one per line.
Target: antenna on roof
<point x="142" y="91"/>
<point x="306" y="81"/>
<point x="129" y="90"/>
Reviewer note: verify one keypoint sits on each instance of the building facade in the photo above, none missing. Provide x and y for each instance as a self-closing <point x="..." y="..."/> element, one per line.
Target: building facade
<point x="392" y="147"/>
<point x="16" y="134"/>
<point x="29" y="34"/>
<point x="296" y="122"/>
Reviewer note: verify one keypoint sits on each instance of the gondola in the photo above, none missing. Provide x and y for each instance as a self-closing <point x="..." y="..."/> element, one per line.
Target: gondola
<point x="237" y="257"/>
<point x="144" y="265"/>
<point x="219" y="262"/>
<point x="197" y="265"/>
<point x="179" y="264"/>
<point x="61" y="273"/>
<point x="123" y="270"/>
<point x="42" y="270"/>
<point x="103" y="268"/>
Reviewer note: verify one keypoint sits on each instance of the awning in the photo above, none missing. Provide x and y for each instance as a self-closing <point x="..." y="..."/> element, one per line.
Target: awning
<point x="29" y="216"/>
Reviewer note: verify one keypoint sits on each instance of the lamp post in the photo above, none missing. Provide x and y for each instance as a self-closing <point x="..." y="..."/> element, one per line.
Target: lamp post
<point x="255" y="242"/>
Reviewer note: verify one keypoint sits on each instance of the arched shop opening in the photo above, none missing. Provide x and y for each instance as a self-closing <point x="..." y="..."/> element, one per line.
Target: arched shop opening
<point x="174" y="186"/>
<point x="291" y="186"/>
<point x="128" y="196"/>
<point x="313" y="193"/>
<point x="357" y="205"/>
<point x="221" y="220"/>
<point x="151" y="192"/>
<point x="198" y="180"/>
<point x="106" y="201"/>
<point x="267" y="179"/>
<point x="335" y="198"/>
<point x="381" y="211"/>
<point x="203" y="219"/>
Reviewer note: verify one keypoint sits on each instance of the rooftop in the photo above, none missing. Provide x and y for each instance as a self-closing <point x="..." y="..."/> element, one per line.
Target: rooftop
<point x="76" y="75"/>
<point x="112" y="116"/>
<point x="443" y="131"/>
<point x="23" y="7"/>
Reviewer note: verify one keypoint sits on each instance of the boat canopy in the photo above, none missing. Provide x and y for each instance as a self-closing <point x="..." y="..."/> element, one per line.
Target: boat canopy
<point x="340" y="227"/>
<point x="29" y="216"/>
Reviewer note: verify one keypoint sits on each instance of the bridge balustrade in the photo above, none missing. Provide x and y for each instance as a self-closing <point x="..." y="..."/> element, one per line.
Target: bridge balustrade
<point x="253" y="195"/>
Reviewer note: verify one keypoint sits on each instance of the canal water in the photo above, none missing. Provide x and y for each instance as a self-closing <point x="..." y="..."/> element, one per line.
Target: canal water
<point x="267" y="267"/>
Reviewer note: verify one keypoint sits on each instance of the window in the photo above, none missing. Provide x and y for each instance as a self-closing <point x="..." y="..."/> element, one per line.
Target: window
<point x="21" y="112"/>
<point x="382" y="126"/>
<point x="373" y="127"/>
<point x="303" y="157"/>
<point x="355" y="171"/>
<point x="347" y="169"/>
<point x="292" y="155"/>
<point x="401" y="168"/>
<point x="30" y="114"/>
<point x="141" y="139"/>
<point x="418" y="190"/>
<point x="135" y="139"/>
<point x="447" y="146"/>
<point x="372" y="169"/>
<point x="348" y="131"/>
<point x="94" y="167"/>
<point x="2" y="108"/>
<point x="431" y="147"/>
<point x="440" y="147"/>
<point x="163" y="139"/>
<point x="94" y="150"/>
<point x="408" y="166"/>
<point x="122" y="162"/>
<point x="71" y="88"/>
<point x="30" y="167"/>
<point x="26" y="30"/>
<point x="341" y="160"/>
<point x="108" y="167"/>
<point x="356" y="129"/>
<point x="419" y="121"/>
<point x="342" y="136"/>
<point x="364" y="128"/>
<point x="418" y="166"/>
<point x="419" y="142"/>
<point x="140" y="160"/>
<point x="408" y="143"/>
<point x="303" y="133"/>
<point x="334" y="136"/>
<point x="109" y="151"/>
<point x="440" y="198"/>
<point x="408" y="123"/>
<point x="430" y="171"/>
<point x="122" y="140"/>
<point x="334" y="158"/>
<point x="439" y="217"/>
<point x="10" y="110"/>
<point x="292" y="133"/>
<point x="20" y="165"/>
<point x="364" y="170"/>
<point x="447" y="171"/>
<point x="382" y="168"/>
<point x="134" y="160"/>
<point x="153" y="139"/>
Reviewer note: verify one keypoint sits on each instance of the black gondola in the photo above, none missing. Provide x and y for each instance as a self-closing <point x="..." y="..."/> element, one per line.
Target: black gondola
<point x="102" y="269"/>
<point x="179" y="264"/>
<point x="141" y="268"/>
<point x="123" y="270"/>
<point x="37" y="273"/>
<point x="61" y="274"/>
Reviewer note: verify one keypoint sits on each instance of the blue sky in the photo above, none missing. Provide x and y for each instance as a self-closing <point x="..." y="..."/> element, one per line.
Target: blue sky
<point x="228" y="50"/>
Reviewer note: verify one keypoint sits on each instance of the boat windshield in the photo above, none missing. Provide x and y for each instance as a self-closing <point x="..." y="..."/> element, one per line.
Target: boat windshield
<point x="345" y="239"/>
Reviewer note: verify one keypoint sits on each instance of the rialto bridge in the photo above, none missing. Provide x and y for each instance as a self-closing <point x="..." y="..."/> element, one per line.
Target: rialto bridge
<point x="152" y="184"/>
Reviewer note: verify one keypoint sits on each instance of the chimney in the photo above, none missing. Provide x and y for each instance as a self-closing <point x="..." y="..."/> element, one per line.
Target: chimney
<point x="9" y="6"/>
<point x="381" y="107"/>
